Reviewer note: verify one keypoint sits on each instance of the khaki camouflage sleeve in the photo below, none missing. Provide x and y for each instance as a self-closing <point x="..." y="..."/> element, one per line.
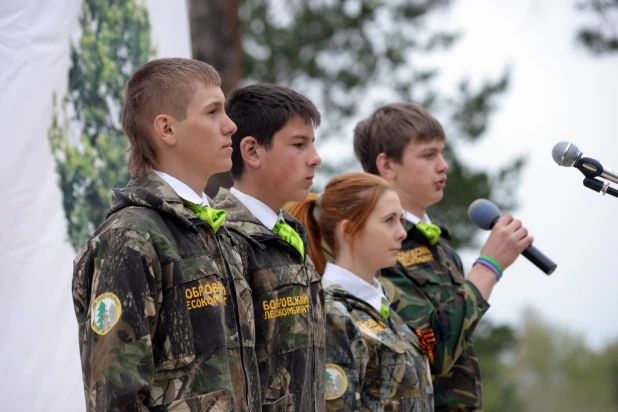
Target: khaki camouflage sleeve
<point x="453" y="322"/>
<point x="117" y="310"/>
<point x="346" y="362"/>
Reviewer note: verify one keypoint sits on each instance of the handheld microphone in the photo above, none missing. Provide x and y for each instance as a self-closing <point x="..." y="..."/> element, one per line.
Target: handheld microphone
<point x="485" y="214"/>
<point x="568" y="155"/>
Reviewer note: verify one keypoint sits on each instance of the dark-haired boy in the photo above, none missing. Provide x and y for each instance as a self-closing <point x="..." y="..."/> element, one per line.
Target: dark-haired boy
<point x="274" y="161"/>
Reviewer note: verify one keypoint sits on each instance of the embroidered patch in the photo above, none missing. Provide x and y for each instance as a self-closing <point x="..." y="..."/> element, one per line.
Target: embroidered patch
<point x="371" y="327"/>
<point x="286" y="306"/>
<point x="105" y="312"/>
<point x="336" y="382"/>
<point x="420" y="254"/>
<point x="209" y="294"/>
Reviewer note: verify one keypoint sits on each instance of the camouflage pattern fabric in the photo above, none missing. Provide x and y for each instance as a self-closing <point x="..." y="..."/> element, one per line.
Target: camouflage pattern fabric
<point x="430" y="291"/>
<point x="165" y="316"/>
<point x="372" y="364"/>
<point x="289" y="311"/>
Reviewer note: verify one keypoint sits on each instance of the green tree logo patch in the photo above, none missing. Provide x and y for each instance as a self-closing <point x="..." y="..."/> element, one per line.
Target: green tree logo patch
<point x="105" y="312"/>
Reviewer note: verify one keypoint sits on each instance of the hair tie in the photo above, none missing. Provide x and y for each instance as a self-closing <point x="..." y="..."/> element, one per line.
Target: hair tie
<point x="317" y="208"/>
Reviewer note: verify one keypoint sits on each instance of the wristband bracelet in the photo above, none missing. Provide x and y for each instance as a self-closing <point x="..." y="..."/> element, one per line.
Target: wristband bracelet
<point x="489" y="266"/>
<point x="493" y="261"/>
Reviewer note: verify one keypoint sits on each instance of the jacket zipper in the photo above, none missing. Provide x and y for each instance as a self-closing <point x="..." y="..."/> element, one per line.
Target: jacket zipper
<point x="236" y="317"/>
<point x="268" y="238"/>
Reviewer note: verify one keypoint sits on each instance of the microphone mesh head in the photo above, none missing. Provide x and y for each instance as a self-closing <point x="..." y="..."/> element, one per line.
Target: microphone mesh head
<point x="483" y="213"/>
<point x="565" y="153"/>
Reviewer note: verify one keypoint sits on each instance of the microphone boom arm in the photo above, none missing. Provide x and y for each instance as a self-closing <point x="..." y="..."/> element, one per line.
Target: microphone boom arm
<point x="599" y="186"/>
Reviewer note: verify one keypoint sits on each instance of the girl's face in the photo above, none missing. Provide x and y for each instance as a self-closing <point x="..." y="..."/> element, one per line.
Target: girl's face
<point x="378" y="242"/>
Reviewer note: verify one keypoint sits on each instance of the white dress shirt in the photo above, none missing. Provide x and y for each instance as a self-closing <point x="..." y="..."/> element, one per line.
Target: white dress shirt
<point x="183" y="190"/>
<point x="259" y="209"/>
<point x="412" y="218"/>
<point x="370" y="293"/>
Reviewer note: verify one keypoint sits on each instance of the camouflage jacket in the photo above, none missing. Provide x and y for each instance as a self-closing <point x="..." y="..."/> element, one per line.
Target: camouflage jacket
<point x="432" y="292"/>
<point x="373" y="364"/>
<point x="165" y="316"/>
<point x="289" y="311"/>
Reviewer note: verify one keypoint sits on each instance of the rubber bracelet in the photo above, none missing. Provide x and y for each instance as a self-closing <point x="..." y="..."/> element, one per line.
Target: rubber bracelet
<point x="493" y="261"/>
<point x="489" y="266"/>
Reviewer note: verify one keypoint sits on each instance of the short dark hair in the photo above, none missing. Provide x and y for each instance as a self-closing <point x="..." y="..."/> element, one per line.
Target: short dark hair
<point x="261" y="110"/>
<point x="160" y="86"/>
<point x="389" y="130"/>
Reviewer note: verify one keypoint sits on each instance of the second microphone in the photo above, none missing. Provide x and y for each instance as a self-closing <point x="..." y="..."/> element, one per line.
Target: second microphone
<point x="485" y="214"/>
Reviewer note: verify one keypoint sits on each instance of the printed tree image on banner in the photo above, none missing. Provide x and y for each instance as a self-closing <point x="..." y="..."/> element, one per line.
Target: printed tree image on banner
<point x="85" y="135"/>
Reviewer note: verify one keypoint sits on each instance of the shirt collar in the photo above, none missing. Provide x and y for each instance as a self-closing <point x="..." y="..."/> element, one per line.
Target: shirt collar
<point x="259" y="209"/>
<point x="183" y="190"/>
<point x="412" y="218"/>
<point x="370" y="293"/>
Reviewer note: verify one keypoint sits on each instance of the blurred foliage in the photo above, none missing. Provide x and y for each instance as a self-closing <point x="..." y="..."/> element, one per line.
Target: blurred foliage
<point x="85" y="135"/>
<point x="600" y="37"/>
<point x="494" y="344"/>
<point x="557" y="371"/>
<point x="349" y="56"/>
<point x="540" y="367"/>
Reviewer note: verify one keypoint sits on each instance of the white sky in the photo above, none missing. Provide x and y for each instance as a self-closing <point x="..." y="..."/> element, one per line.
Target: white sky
<point x="558" y="92"/>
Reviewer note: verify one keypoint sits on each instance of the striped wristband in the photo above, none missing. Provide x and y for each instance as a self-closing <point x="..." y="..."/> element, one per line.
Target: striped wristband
<point x="493" y="261"/>
<point x="489" y="266"/>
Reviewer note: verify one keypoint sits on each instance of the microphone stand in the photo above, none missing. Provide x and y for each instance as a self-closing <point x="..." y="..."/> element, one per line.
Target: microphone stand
<point x="599" y="186"/>
<point x="593" y="169"/>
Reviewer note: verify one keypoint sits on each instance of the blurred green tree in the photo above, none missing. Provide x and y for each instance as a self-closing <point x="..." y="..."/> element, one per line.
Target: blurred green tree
<point x="600" y="36"/>
<point x="556" y="371"/>
<point x="495" y="345"/>
<point x="541" y="367"/>
<point x="85" y="134"/>
<point x="610" y="361"/>
<point x="348" y="56"/>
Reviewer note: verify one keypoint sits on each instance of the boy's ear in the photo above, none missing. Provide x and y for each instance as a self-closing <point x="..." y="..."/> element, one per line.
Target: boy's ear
<point x="249" y="149"/>
<point x="164" y="130"/>
<point x="384" y="164"/>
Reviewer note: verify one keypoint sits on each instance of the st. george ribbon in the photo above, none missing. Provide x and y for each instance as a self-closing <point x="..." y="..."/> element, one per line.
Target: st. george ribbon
<point x="485" y="214"/>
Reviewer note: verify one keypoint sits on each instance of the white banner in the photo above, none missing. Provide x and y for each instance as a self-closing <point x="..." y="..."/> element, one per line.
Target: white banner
<point x="39" y="353"/>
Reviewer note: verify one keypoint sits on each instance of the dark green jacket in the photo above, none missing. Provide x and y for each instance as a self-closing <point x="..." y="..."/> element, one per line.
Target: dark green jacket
<point x="165" y="316"/>
<point x="373" y="364"/>
<point x="435" y="294"/>
<point x="289" y="311"/>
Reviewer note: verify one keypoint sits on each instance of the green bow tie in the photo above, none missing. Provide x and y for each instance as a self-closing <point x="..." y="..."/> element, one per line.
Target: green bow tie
<point x="384" y="309"/>
<point x="214" y="217"/>
<point x="432" y="232"/>
<point x="287" y="233"/>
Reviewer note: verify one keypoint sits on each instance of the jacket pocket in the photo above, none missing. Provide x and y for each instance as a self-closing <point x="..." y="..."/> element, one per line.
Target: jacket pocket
<point x="399" y="381"/>
<point x="284" y="311"/>
<point x="283" y="404"/>
<point x="218" y="401"/>
<point x="197" y="316"/>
